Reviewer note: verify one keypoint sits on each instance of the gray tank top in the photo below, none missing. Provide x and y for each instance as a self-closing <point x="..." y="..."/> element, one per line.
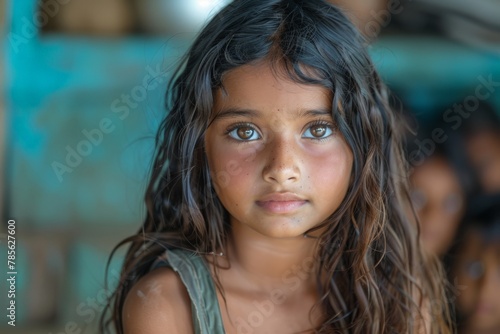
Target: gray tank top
<point x="196" y="276"/>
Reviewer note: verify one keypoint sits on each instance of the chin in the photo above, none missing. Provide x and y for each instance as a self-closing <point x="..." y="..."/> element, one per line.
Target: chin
<point x="282" y="232"/>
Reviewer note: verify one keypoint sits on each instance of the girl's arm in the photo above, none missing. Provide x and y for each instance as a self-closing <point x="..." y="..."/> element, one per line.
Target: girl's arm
<point x="158" y="303"/>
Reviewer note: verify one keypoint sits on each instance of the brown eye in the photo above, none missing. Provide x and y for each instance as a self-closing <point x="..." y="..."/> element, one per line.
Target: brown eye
<point x="244" y="133"/>
<point x="318" y="131"/>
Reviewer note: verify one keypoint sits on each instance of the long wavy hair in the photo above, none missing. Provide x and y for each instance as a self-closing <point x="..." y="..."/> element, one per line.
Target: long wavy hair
<point x="378" y="279"/>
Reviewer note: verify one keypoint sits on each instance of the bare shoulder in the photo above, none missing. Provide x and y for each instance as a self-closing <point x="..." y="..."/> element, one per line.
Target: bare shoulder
<point x="158" y="303"/>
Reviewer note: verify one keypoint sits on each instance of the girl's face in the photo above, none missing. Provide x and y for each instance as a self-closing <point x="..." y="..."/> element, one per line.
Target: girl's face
<point x="439" y="202"/>
<point x="277" y="161"/>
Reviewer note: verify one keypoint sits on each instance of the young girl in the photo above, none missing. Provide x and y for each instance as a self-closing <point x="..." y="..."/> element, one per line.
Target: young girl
<point x="277" y="197"/>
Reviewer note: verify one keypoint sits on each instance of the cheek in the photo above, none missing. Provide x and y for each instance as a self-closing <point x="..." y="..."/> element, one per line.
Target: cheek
<point x="232" y="166"/>
<point x="331" y="171"/>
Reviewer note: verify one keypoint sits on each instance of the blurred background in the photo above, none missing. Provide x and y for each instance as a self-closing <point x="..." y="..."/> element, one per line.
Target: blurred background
<point x="81" y="96"/>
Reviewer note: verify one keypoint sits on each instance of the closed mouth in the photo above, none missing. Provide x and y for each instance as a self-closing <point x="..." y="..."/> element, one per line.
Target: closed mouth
<point x="281" y="197"/>
<point x="281" y="202"/>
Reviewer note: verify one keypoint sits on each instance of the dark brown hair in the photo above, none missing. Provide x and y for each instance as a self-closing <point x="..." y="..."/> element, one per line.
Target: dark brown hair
<point x="378" y="280"/>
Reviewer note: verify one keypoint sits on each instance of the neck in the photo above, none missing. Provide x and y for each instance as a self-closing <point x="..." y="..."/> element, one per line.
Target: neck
<point x="265" y="263"/>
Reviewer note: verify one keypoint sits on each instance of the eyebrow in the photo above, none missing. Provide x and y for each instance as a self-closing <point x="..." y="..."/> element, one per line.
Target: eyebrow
<point x="237" y="112"/>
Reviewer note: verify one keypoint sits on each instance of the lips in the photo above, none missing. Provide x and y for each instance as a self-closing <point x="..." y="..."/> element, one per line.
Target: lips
<point x="281" y="203"/>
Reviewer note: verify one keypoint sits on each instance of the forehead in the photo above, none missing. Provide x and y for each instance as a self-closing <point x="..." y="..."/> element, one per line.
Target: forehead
<point x="264" y="87"/>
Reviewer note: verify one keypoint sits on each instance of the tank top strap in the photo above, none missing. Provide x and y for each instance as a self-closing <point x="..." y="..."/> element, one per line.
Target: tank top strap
<point x="198" y="281"/>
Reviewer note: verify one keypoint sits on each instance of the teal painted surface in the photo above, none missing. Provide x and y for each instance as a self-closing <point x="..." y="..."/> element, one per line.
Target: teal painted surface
<point x="85" y="297"/>
<point x="69" y="95"/>
<point x="431" y="73"/>
<point x="50" y="124"/>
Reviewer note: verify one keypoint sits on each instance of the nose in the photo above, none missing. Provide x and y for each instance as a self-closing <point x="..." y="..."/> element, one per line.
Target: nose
<point x="282" y="162"/>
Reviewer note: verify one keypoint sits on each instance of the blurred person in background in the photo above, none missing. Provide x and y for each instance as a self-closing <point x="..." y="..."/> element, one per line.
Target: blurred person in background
<point x="440" y="183"/>
<point x="481" y="135"/>
<point x="439" y="200"/>
<point x="476" y="271"/>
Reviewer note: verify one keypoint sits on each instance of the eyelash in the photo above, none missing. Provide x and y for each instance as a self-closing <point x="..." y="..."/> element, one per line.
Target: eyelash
<point x="326" y="124"/>
<point x="236" y="126"/>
